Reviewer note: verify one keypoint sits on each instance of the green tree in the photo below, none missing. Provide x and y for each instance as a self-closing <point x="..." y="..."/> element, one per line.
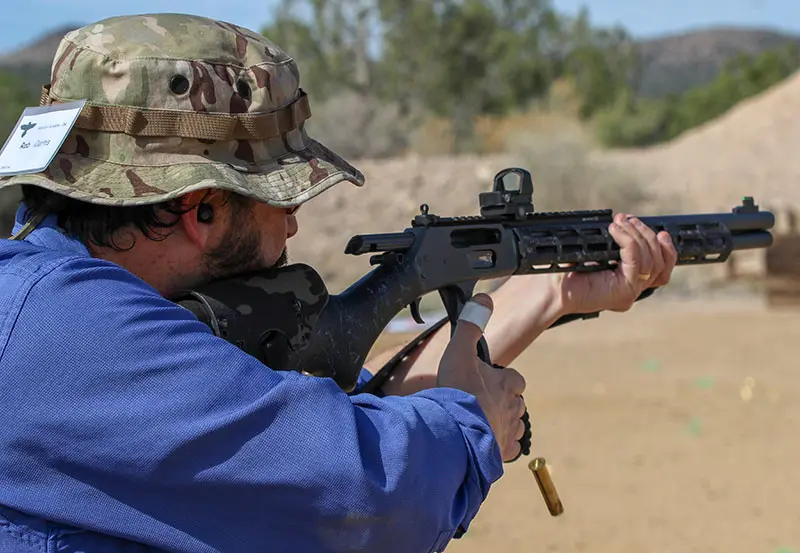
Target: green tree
<point x="332" y="48"/>
<point x="452" y="58"/>
<point x="460" y="59"/>
<point x="602" y="63"/>
<point x="15" y="96"/>
<point x="637" y="122"/>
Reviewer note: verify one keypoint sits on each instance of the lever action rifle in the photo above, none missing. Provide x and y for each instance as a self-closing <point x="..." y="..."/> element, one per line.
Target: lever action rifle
<point x="291" y="322"/>
<point x="286" y="318"/>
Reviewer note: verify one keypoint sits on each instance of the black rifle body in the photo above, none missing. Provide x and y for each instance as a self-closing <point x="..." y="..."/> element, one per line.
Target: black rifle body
<point x="451" y="255"/>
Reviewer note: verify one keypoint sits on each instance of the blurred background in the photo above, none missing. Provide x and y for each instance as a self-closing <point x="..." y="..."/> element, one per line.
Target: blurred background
<point x="671" y="428"/>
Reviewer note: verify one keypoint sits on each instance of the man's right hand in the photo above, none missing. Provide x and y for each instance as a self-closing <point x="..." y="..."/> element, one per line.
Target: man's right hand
<point x="498" y="391"/>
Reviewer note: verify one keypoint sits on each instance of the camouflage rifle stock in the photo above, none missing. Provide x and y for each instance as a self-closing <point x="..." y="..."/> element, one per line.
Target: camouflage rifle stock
<point x="286" y="317"/>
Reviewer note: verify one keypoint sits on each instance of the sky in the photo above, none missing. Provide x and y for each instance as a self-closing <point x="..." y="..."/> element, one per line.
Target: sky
<point x="24" y="20"/>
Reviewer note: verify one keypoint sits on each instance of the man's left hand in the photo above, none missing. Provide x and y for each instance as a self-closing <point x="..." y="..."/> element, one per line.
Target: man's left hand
<point x="647" y="260"/>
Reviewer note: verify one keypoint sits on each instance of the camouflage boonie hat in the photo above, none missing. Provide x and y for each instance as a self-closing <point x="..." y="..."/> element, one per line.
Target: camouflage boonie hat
<point x="177" y="103"/>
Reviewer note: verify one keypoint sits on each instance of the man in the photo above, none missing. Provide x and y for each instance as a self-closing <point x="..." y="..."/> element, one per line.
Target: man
<point x="127" y="426"/>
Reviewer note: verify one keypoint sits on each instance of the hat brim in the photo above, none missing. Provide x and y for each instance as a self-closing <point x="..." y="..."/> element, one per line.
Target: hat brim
<point x="287" y="181"/>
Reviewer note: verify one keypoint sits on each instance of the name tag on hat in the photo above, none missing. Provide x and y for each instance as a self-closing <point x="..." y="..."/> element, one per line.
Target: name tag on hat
<point x="37" y="137"/>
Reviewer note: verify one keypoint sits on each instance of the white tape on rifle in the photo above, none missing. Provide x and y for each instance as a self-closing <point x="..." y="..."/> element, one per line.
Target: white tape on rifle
<point x="476" y="314"/>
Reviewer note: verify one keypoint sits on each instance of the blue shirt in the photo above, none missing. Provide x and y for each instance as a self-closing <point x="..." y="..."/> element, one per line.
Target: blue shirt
<point x="127" y="426"/>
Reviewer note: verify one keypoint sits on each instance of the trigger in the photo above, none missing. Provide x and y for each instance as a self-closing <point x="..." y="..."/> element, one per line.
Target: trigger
<point x="414" y="307"/>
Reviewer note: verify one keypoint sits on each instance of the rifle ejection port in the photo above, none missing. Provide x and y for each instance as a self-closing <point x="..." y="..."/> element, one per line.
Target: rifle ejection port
<point x="482" y="259"/>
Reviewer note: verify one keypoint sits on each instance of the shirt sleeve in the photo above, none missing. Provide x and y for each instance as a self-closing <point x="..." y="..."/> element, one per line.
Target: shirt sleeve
<point x="142" y="424"/>
<point x="364" y="377"/>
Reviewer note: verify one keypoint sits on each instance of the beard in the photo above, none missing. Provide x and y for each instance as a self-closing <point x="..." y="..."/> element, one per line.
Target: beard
<point x="239" y="252"/>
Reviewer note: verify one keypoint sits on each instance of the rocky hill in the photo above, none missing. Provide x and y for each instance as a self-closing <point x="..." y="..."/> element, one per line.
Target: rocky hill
<point x="675" y="63"/>
<point x="33" y="60"/>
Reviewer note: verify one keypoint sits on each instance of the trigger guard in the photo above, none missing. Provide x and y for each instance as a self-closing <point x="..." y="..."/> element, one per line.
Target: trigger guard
<point x="415" y="314"/>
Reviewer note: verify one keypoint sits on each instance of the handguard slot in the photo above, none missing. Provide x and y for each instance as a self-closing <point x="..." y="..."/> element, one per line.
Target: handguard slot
<point x="589" y="246"/>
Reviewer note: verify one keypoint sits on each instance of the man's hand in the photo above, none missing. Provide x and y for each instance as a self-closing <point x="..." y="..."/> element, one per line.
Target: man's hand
<point x="498" y="391"/>
<point x="646" y="261"/>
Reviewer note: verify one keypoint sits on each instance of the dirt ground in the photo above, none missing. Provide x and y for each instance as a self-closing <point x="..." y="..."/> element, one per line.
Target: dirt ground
<point x="671" y="428"/>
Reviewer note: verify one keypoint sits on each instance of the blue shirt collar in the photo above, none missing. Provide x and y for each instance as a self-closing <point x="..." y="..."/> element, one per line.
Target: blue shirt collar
<point x="48" y="234"/>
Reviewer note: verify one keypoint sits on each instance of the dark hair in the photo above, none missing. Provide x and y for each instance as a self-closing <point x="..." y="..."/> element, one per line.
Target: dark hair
<point x="98" y="224"/>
